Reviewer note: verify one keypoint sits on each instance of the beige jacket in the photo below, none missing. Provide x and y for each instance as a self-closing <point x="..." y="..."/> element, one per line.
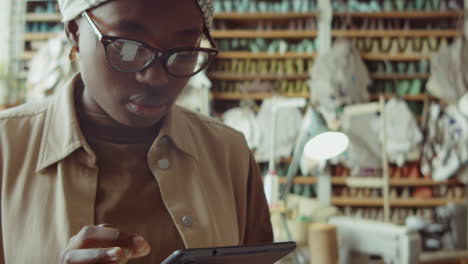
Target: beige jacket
<point x="211" y="185"/>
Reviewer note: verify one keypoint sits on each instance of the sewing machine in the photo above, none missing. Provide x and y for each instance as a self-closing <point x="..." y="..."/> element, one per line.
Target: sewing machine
<point x="395" y="244"/>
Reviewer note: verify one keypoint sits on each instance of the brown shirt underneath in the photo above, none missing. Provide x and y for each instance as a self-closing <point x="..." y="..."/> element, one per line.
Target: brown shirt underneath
<point x="127" y="187"/>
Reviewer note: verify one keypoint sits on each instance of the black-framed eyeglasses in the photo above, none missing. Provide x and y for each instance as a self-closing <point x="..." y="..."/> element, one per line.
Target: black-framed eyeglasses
<point x="127" y="55"/>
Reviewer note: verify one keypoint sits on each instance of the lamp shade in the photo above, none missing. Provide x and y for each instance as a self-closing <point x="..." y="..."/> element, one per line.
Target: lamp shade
<point x="326" y="146"/>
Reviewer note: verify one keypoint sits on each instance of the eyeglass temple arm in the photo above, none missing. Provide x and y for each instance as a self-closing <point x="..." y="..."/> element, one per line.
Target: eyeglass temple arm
<point x="92" y="24"/>
<point x="210" y="39"/>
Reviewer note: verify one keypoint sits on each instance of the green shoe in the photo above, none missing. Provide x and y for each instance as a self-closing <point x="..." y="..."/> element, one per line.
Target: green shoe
<point x="388" y="6"/>
<point x="403" y="87"/>
<point x="423" y="66"/>
<point x="411" y="68"/>
<point x="228" y="6"/>
<point x="400" y="5"/>
<point x="419" y="4"/>
<point x="389" y="87"/>
<point x="415" y="87"/>
<point x="380" y="68"/>
<point x="402" y="67"/>
<point x="389" y="68"/>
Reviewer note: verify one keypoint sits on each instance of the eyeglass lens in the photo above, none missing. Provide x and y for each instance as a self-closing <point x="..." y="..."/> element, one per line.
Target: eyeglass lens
<point x="130" y="56"/>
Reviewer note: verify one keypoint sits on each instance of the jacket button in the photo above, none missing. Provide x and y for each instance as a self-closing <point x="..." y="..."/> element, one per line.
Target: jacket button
<point x="164" y="141"/>
<point x="187" y="221"/>
<point x="164" y="164"/>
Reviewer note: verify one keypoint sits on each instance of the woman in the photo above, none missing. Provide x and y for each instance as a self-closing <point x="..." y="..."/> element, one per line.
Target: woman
<point x="109" y="170"/>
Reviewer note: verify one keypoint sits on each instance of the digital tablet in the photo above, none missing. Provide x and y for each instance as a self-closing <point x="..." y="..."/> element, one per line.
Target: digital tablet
<point x="255" y="254"/>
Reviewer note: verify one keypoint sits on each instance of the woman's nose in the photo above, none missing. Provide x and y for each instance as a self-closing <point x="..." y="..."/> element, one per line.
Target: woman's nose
<point x="154" y="75"/>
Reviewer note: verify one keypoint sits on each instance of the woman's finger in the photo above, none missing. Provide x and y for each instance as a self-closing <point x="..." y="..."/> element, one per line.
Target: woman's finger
<point x="94" y="256"/>
<point x="104" y="237"/>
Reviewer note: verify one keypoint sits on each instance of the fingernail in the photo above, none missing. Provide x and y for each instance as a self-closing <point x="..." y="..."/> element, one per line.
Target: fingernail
<point x="141" y="247"/>
<point x="139" y="241"/>
<point x="113" y="253"/>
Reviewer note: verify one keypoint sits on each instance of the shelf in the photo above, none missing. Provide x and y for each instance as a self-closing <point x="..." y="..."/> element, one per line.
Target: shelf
<point x="395" y="76"/>
<point x="27" y="55"/>
<point x="296" y="55"/>
<point x="404" y="14"/>
<point x="289" y="34"/>
<point x="377" y="202"/>
<point x="246" y="77"/>
<point x="255" y="96"/>
<point x="264" y="55"/>
<point x="443" y="257"/>
<point x="39" y="36"/>
<point x="396" y="33"/>
<point x="46" y="17"/>
<point x="412" y="98"/>
<point x="3" y="107"/>
<point x="258" y="96"/>
<point x="401" y="182"/>
<point x="394" y="57"/>
<point x="265" y="16"/>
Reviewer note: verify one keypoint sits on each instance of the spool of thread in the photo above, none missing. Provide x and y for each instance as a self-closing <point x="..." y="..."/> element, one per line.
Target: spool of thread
<point x="323" y="244"/>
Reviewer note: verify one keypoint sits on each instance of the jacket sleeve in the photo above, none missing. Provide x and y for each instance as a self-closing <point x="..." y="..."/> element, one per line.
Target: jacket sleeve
<point x="258" y="225"/>
<point x="2" y="160"/>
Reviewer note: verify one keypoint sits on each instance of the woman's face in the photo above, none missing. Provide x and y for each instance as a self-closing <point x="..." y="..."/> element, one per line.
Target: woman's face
<point x="135" y="99"/>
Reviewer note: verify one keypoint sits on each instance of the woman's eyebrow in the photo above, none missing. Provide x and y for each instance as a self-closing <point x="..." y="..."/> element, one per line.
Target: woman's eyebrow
<point x="190" y="31"/>
<point x="127" y="25"/>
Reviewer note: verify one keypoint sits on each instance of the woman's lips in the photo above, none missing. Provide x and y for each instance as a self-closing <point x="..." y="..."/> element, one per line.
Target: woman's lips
<point x="147" y="106"/>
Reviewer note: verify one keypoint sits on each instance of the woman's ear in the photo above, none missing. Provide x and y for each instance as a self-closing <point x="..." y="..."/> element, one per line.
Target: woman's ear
<point x="72" y="31"/>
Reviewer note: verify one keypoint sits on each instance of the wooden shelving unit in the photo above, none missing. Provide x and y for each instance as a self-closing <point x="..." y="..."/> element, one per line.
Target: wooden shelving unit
<point x="400" y="182"/>
<point x="404" y="14"/>
<point x="264" y="55"/>
<point x="244" y="77"/>
<point x="444" y="257"/>
<point x="412" y="202"/>
<point x="259" y="96"/>
<point x="263" y="16"/>
<point x="411" y="98"/>
<point x="255" y="96"/>
<point x="295" y="55"/>
<point x="399" y="76"/>
<point x="283" y="34"/>
<point x="396" y="33"/>
<point x="289" y="35"/>
<point x="39" y="36"/>
<point x="394" y="57"/>
<point x="385" y="15"/>
<point x="4" y="107"/>
<point x="33" y="17"/>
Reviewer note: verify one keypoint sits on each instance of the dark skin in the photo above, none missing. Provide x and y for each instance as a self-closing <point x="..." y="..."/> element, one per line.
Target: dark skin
<point x="163" y="25"/>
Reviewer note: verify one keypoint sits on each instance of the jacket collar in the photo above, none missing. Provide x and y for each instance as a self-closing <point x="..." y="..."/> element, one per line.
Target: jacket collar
<point x="62" y="134"/>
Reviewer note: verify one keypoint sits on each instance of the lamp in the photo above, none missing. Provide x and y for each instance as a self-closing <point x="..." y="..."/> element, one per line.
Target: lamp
<point x="321" y="148"/>
<point x="326" y="146"/>
<point x="271" y="182"/>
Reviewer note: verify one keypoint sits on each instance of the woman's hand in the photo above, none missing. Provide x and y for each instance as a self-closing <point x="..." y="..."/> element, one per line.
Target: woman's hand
<point x="104" y="244"/>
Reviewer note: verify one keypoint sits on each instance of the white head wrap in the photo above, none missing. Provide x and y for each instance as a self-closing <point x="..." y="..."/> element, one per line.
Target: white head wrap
<point x="71" y="9"/>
